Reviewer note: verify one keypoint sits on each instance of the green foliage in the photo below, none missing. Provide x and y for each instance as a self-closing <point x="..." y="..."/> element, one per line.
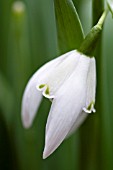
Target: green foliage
<point x="69" y="29"/>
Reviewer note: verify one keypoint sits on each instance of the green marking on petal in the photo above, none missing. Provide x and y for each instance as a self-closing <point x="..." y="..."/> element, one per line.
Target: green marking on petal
<point x="42" y="86"/>
<point x="90" y="106"/>
<point x="47" y="91"/>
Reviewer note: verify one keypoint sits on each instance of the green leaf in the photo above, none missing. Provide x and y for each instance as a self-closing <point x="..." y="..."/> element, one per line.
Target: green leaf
<point x="110" y="6"/>
<point x="69" y="29"/>
<point x="106" y="86"/>
<point x="19" y="51"/>
<point x="6" y="99"/>
<point x="97" y="9"/>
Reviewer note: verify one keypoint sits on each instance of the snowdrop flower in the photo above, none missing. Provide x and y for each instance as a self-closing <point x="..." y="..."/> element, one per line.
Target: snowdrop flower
<point x="69" y="81"/>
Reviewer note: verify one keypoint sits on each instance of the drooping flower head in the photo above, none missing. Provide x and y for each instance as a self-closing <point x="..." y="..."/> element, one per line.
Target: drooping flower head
<point x="69" y="81"/>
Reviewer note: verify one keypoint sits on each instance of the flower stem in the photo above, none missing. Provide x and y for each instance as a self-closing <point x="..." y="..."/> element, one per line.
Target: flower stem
<point x="88" y="45"/>
<point x="102" y="18"/>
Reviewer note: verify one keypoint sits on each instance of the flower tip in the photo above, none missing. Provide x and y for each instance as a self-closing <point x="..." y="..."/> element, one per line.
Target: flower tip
<point x="26" y="124"/>
<point x="48" y="150"/>
<point x="45" y="154"/>
<point x="26" y="120"/>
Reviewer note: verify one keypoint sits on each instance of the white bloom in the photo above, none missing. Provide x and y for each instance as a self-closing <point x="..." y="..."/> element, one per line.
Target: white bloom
<point x="69" y="81"/>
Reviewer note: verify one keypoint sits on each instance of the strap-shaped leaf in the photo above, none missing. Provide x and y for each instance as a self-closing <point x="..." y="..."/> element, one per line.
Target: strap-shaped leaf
<point x="6" y="98"/>
<point x="69" y="29"/>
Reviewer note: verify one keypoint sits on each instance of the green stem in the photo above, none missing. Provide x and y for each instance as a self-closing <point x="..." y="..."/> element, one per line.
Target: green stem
<point x="102" y="18"/>
<point x="88" y="45"/>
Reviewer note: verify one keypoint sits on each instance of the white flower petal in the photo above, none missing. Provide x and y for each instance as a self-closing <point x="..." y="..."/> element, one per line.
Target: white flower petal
<point x="32" y="98"/>
<point x="59" y="74"/>
<point x="67" y="105"/>
<point x="30" y="103"/>
<point x="91" y="88"/>
<point x="80" y="119"/>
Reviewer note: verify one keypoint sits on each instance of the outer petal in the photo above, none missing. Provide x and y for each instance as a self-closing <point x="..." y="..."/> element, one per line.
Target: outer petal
<point x="91" y="87"/>
<point x="30" y="103"/>
<point x="32" y="98"/>
<point x="80" y="119"/>
<point x="68" y="104"/>
<point x="59" y="74"/>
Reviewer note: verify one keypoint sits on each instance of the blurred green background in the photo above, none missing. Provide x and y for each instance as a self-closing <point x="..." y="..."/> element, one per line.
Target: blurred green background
<point x="28" y="39"/>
